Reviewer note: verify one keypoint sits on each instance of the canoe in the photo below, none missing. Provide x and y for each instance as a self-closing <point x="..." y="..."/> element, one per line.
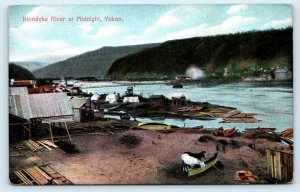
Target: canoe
<point x="287" y="133"/>
<point x="154" y="126"/>
<point x="208" y="164"/>
<point x="224" y="132"/>
<point x="229" y="133"/>
<point x="261" y="129"/>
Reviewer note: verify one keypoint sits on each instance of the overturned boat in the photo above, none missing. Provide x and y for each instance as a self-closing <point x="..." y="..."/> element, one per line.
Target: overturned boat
<point x="224" y="133"/>
<point x="154" y="126"/>
<point x="208" y="164"/>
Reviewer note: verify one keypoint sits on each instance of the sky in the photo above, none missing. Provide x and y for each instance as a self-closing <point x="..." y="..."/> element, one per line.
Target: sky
<point x="135" y="24"/>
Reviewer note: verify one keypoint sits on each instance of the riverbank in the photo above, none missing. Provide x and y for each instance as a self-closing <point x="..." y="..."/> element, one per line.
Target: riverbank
<point x="155" y="159"/>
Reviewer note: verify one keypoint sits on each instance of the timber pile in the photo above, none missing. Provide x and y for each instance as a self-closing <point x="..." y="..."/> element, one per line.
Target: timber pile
<point x="33" y="146"/>
<point x="236" y="116"/>
<point x="47" y="144"/>
<point x="36" y="145"/>
<point x="40" y="176"/>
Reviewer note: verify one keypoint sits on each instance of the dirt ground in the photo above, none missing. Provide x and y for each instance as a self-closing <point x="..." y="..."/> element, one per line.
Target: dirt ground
<point x="156" y="160"/>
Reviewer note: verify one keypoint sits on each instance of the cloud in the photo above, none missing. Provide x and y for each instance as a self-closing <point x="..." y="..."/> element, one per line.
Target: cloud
<point x="85" y="28"/>
<point x="283" y="23"/>
<point x="102" y="32"/>
<point x="236" y="8"/>
<point x="230" y="25"/>
<point x="169" y="19"/>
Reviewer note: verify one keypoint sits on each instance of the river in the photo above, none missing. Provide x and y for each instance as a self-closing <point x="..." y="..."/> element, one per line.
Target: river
<point x="273" y="105"/>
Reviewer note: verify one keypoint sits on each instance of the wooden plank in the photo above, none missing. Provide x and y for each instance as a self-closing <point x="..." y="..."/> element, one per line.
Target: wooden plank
<point x="44" y="145"/>
<point x="49" y="143"/>
<point x="42" y="173"/>
<point x="23" y="177"/>
<point x="36" y="176"/>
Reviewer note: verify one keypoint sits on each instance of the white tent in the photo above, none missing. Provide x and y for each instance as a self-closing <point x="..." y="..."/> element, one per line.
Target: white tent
<point x="95" y="97"/>
<point x="111" y="98"/>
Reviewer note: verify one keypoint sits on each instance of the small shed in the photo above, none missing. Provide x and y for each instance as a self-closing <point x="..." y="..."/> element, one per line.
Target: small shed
<point x="280" y="165"/>
<point x="178" y="101"/>
<point x="157" y="100"/>
<point x="77" y="107"/>
<point x="283" y="74"/>
<point x="85" y="109"/>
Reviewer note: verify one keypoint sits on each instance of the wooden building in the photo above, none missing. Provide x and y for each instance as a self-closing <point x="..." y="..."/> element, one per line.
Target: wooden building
<point x="283" y="74"/>
<point x="158" y="100"/>
<point x="178" y="101"/>
<point x="45" y="108"/>
<point x="85" y="109"/>
<point x="280" y="165"/>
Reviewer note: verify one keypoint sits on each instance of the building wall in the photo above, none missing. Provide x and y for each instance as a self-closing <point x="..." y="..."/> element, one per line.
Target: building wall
<point x="283" y="76"/>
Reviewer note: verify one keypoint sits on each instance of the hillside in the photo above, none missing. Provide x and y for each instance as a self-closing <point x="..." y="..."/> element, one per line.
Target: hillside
<point x="31" y="66"/>
<point x="19" y="73"/>
<point x="238" y="52"/>
<point x="93" y="64"/>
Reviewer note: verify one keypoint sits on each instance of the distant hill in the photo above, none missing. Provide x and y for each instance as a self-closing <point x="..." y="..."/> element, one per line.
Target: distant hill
<point x="238" y="52"/>
<point x="92" y="64"/>
<point x="19" y="73"/>
<point x="31" y="66"/>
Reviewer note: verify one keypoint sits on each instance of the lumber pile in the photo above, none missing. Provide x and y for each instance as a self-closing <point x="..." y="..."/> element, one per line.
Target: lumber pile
<point x="36" y="145"/>
<point x="236" y="116"/>
<point x="33" y="146"/>
<point x="40" y="176"/>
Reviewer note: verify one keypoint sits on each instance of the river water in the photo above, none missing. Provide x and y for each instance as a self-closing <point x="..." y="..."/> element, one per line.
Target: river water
<point x="273" y="105"/>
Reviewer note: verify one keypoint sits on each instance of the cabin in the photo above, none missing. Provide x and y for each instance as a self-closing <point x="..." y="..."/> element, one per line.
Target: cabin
<point x="178" y="101"/>
<point x="158" y="100"/>
<point x="283" y="74"/>
<point x="85" y="109"/>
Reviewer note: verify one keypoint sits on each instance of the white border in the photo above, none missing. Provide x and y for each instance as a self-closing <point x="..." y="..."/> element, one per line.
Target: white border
<point x="4" y="163"/>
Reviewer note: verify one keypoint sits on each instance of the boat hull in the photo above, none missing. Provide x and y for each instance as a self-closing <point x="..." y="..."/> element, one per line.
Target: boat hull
<point x="211" y="163"/>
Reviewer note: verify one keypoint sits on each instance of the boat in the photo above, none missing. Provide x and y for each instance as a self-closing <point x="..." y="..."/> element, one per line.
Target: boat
<point x="261" y="129"/>
<point x="154" y="126"/>
<point x="224" y="133"/>
<point x="177" y="85"/>
<point x="287" y="133"/>
<point x="208" y="164"/>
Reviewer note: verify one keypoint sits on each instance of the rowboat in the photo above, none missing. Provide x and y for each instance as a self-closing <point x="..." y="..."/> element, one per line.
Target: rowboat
<point x="154" y="126"/>
<point x="224" y="133"/>
<point x="208" y="164"/>
<point x="261" y="129"/>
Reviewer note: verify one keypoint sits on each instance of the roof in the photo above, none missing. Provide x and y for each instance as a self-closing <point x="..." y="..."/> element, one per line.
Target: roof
<point x="281" y="70"/>
<point x="24" y="83"/>
<point x="35" y="90"/>
<point x="78" y="102"/>
<point x="40" y="105"/>
<point x="95" y="97"/>
<point x="18" y="91"/>
<point x="156" y="96"/>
